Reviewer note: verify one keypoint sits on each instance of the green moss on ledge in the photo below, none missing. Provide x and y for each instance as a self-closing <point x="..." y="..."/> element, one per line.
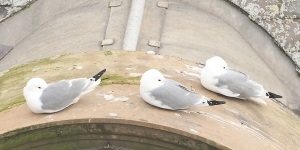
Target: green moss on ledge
<point x="108" y="79"/>
<point x="56" y="68"/>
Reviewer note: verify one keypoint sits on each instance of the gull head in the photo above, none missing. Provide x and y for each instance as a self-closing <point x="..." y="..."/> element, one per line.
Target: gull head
<point x="216" y="62"/>
<point x="37" y="85"/>
<point x="32" y="93"/>
<point x="151" y="79"/>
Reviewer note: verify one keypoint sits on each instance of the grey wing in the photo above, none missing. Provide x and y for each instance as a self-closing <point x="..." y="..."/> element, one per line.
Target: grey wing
<point x="237" y="82"/>
<point x="175" y="95"/>
<point x="60" y="95"/>
<point x="231" y="77"/>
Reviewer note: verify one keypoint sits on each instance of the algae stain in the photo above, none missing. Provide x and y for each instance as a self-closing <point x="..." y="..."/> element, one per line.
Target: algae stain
<point x="4" y="92"/>
<point x="35" y="68"/>
<point x="22" y="70"/>
<point x="3" y="72"/>
<point x="16" y="75"/>
<point x="101" y="127"/>
<point x="279" y="5"/>
<point x="108" y="79"/>
<point x="20" y="100"/>
<point x="107" y="53"/>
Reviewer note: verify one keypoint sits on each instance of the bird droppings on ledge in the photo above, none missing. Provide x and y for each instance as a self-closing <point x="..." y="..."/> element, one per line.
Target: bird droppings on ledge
<point x="113" y="114"/>
<point x="54" y="57"/>
<point x="135" y="74"/>
<point x="121" y="99"/>
<point x="112" y="98"/>
<point x="232" y="110"/>
<point x="108" y="97"/>
<point x="36" y="68"/>
<point x="193" y="130"/>
<point x="143" y="120"/>
<point x="57" y="68"/>
<point x="194" y="68"/>
<point x="192" y="74"/>
<point x="48" y="117"/>
<point x="3" y="72"/>
<point x="4" y="92"/>
<point x="151" y="52"/>
<point x="176" y="114"/>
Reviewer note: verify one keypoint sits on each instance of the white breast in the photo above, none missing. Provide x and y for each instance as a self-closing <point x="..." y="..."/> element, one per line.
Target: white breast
<point x="33" y="101"/>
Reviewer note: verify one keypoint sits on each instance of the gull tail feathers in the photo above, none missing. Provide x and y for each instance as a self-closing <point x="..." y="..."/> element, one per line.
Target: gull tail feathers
<point x="273" y="95"/>
<point x="93" y="82"/>
<point x="91" y="86"/>
<point x="209" y="102"/>
<point x="99" y="74"/>
<point x="213" y="102"/>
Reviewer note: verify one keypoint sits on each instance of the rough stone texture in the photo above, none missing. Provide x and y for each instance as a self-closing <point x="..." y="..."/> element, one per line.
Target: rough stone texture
<point x="280" y="18"/>
<point x="5" y="2"/>
<point x="253" y="126"/>
<point x="3" y="11"/>
<point x="292" y="8"/>
<point x="12" y="6"/>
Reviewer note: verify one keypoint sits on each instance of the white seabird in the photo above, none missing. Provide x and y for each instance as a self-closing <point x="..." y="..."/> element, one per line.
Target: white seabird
<point x="49" y="98"/>
<point x="218" y="77"/>
<point x="169" y="94"/>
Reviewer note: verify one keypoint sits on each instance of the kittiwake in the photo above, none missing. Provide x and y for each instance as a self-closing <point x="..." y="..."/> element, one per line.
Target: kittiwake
<point x="169" y="94"/>
<point x="49" y="98"/>
<point x="218" y="77"/>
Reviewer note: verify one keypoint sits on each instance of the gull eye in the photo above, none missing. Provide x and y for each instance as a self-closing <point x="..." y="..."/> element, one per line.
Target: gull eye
<point x="159" y="80"/>
<point x="39" y="87"/>
<point x="224" y="67"/>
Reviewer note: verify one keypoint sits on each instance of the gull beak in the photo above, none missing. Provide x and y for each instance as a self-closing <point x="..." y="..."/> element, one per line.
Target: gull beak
<point x="215" y="102"/>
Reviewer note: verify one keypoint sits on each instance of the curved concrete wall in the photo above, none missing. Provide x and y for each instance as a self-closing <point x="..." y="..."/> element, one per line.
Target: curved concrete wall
<point x="194" y="30"/>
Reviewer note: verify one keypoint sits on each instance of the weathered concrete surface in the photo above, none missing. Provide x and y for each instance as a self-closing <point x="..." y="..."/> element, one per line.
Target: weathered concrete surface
<point x="116" y="25"/>
<point x="198" y="30"/>
<point x="52" y="28"/>
<point x="4" y="50"/>
<point x="253" y="126"/>
<point x="152" y="25"/>
<point x="194" y="30"/>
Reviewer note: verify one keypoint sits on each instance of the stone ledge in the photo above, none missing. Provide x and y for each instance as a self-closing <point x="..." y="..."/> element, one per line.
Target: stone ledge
<point x="254" y="126"/>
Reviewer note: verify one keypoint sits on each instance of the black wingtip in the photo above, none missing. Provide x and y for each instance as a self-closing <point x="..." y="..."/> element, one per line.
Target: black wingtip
<point x="273" y="95"/>
<point x="215" y="102"/>
<point x="98" y="75"/>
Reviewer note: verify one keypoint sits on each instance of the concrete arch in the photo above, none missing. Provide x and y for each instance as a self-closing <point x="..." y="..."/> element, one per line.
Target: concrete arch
<point x="190" y="29"/>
